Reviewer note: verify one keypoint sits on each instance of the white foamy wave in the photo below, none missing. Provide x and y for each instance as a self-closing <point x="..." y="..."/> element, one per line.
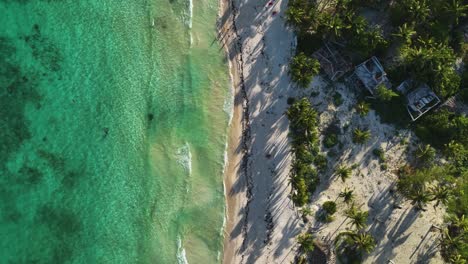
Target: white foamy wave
<point x="190" y="13"/>
<point x="184" y="158"/>
<point x="181" y="255"/>
<point x="228" y="106"/>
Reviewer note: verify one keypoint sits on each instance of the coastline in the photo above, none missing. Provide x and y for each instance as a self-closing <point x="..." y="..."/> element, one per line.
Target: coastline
<point x="261" y="222"/>
<point x="235" y="132"/>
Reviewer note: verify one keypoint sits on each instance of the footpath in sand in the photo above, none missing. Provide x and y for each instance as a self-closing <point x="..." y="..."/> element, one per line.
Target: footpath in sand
<point x="261" y="220"/>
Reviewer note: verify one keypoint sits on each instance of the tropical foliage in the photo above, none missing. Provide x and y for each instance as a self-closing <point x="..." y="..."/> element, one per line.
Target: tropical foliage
<point x="363" y="108"/>
<point x="347" y="195"/>
<point x="353" y="244"/>
<point x="304" y="134"/>
<point x="360" y="136"/>
<point x="303" y="69"/>
<point x="384" y="94"/>
<point x="427" y="37"/>
<point x="358" y="218"/>
<point x="306" y="242"/>
<point x="328" y="209"/>
<point x="343" y="172"/>
<point x="425" y="154"/>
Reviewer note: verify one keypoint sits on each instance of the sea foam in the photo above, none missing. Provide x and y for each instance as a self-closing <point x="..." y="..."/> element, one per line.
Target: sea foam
<point x="184" y="157"/>
<point x="181" y="255"/>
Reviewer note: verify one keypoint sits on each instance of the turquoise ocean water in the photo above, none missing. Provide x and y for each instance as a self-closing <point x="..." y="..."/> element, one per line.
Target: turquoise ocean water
<point x="113" y="118"/>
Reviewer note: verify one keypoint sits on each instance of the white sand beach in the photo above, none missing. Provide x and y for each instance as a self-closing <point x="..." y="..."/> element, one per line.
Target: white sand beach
<point x="261" y="220"/>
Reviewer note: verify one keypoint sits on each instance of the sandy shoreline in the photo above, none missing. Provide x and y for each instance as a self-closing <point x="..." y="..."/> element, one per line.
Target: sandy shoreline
<point x="261" y="220"/>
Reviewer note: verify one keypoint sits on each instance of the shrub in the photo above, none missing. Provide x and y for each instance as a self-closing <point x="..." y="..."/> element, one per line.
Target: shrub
<point x="337" y="99"/>
<point x="383" y="166"/>
<point x="330" y="140"/>
<point x="329" y="207"/>
<point x="378" y="152"/>
<point x="306" y="242"/>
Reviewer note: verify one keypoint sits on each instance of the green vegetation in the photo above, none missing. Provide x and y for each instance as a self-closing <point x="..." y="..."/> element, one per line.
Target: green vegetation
<point x="347" y="195"/>
<point x="360" y="136"/>
<point x="442" y="127"/>
<point x="352" y="244"/>
<point x="358" y="218"/>
<point x="343" y="172"/>
<point x="304" y="134"/>
<point x="337" y="99"/>
<point x="379" y="152"/>
<point x="303" y="69"/>
<point x="328" y="209"/>
<point x="431" y="62"/>
<point x="363" y="108"/>
<point x="330" y="140"/>
<point x="425" y="154"/>
<point x="385" y="94"/>
<point x="321" y="162"/>
<point x="306" y="242"/>
<point x="423" y="41"/>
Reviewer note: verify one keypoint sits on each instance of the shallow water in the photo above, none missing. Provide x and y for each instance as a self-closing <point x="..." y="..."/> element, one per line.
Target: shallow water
<point x="112" y="132"/>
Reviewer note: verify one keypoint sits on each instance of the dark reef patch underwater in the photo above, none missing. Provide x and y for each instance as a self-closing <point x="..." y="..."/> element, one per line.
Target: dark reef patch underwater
<point x="112" y="132"/>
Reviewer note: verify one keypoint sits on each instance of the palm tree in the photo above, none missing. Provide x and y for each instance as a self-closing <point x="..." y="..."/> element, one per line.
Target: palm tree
<point x="461" y="223"/>
<point x="347" y="195"/>
<point x="362" y="108"/>
<point x="358" y="218"/>
<point x="449" y="243"/>
<point x="440" y="193"/>
<point x="405" y="32"/>
<point x="303" y="69"/>
<point x="343" y="172"/>
<point x="358" y="242"/>
<point x="418" y="10"/>
<point x="456" y="9"/>
<point x="425" y="153"/>
<point x="306" y="242"/>
<point x="385" y="94"/>
<point x="457" y="259"/>
<point x="360" y="136"/>
<point x="419" y="196"/>
<point x="364" y="242"/>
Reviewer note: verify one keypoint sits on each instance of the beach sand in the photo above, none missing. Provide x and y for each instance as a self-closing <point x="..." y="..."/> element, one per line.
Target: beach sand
<point x="261" y="220"/>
